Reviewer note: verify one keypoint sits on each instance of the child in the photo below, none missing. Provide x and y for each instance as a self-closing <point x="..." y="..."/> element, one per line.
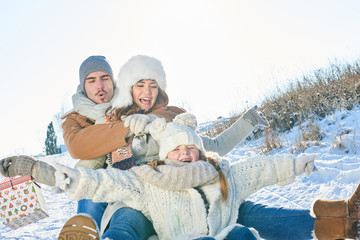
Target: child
<point x="209" y="210"/>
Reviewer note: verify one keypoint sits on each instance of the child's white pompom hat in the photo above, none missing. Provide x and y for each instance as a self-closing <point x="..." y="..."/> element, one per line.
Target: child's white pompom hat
<point x="181" y="131"/>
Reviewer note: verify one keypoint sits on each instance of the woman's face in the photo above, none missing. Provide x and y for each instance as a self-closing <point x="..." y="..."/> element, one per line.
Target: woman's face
<point x="184" y="153"/>
<point x="145" y="93"/>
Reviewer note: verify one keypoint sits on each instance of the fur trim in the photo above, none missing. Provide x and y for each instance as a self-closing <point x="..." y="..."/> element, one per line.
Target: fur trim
<point x="255" y="232"/>
<point x="135" y="69"/>
<point x="314" y="235"/>
<point x="312" y="209"/>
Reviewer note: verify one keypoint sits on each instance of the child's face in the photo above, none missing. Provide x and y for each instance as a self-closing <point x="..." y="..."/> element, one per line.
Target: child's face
<point x="184" y="153"/>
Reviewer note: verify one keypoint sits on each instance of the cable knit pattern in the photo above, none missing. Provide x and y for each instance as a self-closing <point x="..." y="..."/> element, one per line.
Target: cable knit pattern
<point x="182" y="214"/>
<point x="288" y="176"/>
<point x="168" y="176"/>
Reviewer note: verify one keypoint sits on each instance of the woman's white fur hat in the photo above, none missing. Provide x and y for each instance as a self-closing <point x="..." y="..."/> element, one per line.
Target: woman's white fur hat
<point x="179" y="132"/>
<point x="137" y="68"/>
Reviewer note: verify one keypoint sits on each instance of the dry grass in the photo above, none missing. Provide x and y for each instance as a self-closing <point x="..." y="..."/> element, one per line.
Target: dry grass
<point x="316" y="95"/>
<point x="313" y="96"/>
<point x="271" y="141"/>
<point x="346" y="143"/>
<point x="310" y="134"/>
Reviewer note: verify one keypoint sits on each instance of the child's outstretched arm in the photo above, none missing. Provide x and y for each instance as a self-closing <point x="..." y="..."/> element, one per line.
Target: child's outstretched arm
<point x="254" y="173"/>
<point x="102" y="185"/>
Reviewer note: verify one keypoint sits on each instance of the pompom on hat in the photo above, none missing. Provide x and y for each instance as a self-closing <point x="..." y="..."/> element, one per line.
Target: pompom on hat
<point x="179" y="132"/>
<point x="94" y="64"/>
<point x="137" y="68"/>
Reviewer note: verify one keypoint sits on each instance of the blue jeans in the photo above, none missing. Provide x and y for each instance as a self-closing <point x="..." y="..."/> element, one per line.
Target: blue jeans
<point x="126" y="223"/>
<point x="94" y="209"/>
<point x="240" y="233"/>
<point x="277" y="223"/>
<point x="236" y="234"/>
<point x="129" y="224"/>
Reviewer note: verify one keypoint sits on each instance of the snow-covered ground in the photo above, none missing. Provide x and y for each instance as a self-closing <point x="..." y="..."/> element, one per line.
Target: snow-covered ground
<point x="338" y="175"/>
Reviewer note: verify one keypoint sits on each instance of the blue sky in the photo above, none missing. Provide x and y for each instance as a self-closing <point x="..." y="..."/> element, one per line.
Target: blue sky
<point x="220" y="56"/>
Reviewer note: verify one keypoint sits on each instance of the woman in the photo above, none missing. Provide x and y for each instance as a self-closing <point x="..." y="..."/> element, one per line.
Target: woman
<point x="207" y="211"/>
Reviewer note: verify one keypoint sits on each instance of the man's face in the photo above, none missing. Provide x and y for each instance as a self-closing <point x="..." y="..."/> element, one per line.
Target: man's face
<point x="99" y="87"/>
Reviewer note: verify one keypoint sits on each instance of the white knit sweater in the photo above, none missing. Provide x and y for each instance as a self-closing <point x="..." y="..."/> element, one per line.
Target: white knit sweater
<point x="182" y="214"/>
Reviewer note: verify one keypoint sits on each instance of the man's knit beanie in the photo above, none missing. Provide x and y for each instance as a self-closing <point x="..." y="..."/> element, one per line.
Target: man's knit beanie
<point x="93" y="64"/>
<point x="179" y="132"/>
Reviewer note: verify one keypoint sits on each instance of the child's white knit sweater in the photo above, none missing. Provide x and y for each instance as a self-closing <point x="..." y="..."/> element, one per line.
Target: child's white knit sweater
<point x="182" y="214"/>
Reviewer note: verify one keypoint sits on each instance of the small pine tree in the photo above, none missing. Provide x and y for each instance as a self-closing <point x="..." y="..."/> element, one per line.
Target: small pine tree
<point x="50" y="142"/>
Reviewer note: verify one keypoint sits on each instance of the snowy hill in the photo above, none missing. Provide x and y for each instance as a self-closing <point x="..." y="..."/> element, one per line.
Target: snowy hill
<point x="338" y="175"/>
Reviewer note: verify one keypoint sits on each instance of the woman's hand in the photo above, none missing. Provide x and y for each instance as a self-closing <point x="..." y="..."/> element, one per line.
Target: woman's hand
<point x="138" y="122"/>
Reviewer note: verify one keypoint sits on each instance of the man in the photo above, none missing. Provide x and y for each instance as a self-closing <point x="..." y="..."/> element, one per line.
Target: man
<point x="83" y="138"/>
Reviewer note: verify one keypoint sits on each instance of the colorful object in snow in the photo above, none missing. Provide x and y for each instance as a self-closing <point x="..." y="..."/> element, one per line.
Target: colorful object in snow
<point x="21" y="202"/>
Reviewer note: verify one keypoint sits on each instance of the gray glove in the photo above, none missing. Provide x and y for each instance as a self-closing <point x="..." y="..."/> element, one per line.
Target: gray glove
<point x="137" y="122"/>
<point x="17" y="166"/>
<point x="24" y="165"/>
<point x="43" y="172"/>
<point x="254" y="117"/>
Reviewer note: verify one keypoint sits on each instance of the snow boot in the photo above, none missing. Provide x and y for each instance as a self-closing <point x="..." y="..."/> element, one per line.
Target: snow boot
<point x="354" y="204"/>
<point x="330" y="208"/>
<point x="80" y="227"/>
<point x="337" y="219"/>
<point x="349" y="208"/>
<point x="336" y="228"/>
